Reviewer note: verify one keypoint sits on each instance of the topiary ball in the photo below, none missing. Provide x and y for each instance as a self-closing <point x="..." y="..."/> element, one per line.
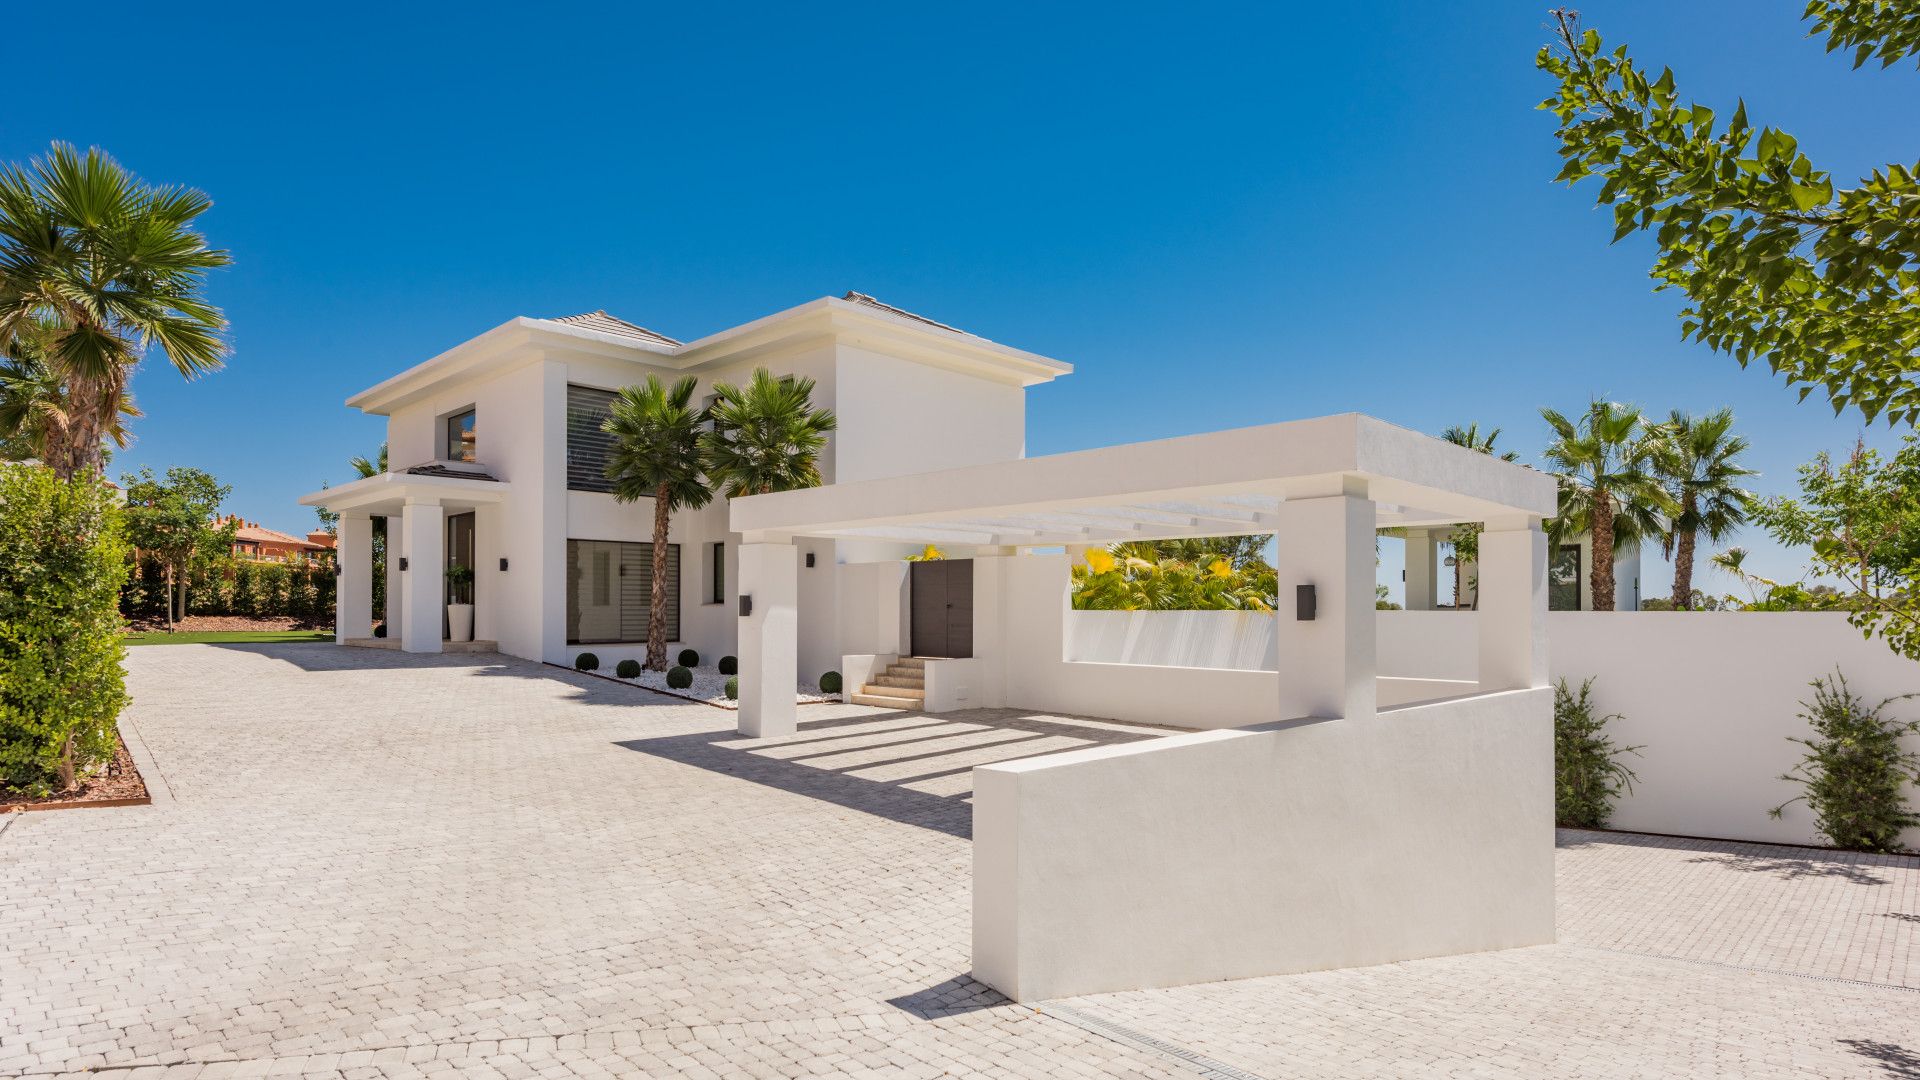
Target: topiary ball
<point x="627" y="669"/>
<point x="733" y="688"/>
<point x="689" y="658"/>
<point x="679" y="678"/>
<point x="380" y="631"/>
<point x="586" y="661"/>
<point x="729" y="666"/>
<point x="830" y="683"/>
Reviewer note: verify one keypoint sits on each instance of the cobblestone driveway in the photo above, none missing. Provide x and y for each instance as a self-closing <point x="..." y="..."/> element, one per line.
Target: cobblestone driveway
<point x="378" y="865"/>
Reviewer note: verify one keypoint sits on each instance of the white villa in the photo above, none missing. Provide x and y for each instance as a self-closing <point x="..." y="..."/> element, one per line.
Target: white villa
<point x="1314" y="812"/>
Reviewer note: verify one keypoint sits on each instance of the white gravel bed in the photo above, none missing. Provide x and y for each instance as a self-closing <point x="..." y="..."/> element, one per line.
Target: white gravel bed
<point x="711" y="687"/>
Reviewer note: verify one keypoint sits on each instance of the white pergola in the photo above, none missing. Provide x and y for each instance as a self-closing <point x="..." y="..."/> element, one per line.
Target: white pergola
<point x="1322" y="486"/>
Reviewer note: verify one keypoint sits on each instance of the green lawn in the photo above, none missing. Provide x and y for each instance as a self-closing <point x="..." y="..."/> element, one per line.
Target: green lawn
<point x="228" y="637"/>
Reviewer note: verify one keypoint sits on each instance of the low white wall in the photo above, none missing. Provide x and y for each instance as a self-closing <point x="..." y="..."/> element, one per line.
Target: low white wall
<point x="1423" y="831"/>
<point x="1712" y="696"/>
<point x="1204" y="639"/>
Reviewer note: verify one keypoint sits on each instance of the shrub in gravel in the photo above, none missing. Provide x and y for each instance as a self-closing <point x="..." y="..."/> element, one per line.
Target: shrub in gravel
<point x="830" y="683"/>
<point x="733" y="687"/>
<point x="380" y="631"/>
<point x="679" y="678"/>
<point x="729" y="666"/>
<point x="627" y="669"/>
<point x="689" y="658"/>
<point x="586" y="661"/>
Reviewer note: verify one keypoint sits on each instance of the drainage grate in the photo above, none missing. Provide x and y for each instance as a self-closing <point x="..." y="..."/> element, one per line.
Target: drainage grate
<point x="1200" y="1063"/>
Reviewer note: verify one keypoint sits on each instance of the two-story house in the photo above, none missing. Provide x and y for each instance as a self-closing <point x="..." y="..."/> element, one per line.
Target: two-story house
<point x="500" y="467"/>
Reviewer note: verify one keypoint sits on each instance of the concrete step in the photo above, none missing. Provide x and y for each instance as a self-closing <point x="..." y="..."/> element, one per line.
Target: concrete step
<point x="913" y="692"/>
<point x="914" y="662"/>
<point x="892" y="678"/>
<point x="887" y="701"/>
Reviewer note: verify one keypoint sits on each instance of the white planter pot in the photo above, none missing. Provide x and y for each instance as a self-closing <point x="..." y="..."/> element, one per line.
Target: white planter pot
<point x="460" y="622"/>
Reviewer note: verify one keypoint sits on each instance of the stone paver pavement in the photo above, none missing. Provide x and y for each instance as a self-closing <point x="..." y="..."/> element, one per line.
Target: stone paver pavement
<point x="377" y="865"/>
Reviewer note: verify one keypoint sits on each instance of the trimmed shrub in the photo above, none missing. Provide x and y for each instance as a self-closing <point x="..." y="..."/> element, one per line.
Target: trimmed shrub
<point x="733" y="689"/>
<point x="1587" y="773"/>
<point x="729" y="666"/>
<point x="627" y="669"/>
<point x="830" y="683"/>
<point x="63" y="560"/>
<point x="689" y="658"/>
<point x="380" y="631"/>
<point x="679" y="678"/>
<point x="586" y="661"/>
<point x="1855" y="772"/>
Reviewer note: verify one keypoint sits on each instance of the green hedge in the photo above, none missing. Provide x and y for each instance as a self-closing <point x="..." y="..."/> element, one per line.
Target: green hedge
<point x="229" y="586"/>
<point x="62" y="563"/>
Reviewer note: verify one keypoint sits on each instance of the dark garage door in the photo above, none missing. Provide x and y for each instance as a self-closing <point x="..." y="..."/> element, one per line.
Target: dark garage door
<point x="942" y="592"/>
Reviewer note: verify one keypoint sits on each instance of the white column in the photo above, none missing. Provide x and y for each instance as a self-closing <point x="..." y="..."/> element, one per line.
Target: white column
<point x="1422" y="569"/>
<point x="769" y="648"/>
<point x="1513" y="606"/>
<point x="396" y="582"/>
<point x="353" y="593"/>
<point x="425" y="579"/>
<point x="1327" y="665"/>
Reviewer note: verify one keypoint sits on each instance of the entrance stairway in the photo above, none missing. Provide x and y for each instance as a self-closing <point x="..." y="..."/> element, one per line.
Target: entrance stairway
<point x="902" y="686"/>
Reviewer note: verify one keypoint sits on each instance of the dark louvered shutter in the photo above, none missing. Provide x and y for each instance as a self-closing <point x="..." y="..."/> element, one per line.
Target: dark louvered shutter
<point x="588" y="447"/>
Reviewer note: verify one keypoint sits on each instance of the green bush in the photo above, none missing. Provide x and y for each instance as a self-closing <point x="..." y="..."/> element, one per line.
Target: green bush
<point x="627" y="669"/>
<point x="830" y="683"/>
<point x="1587" y="773"/>
<point x="380" y="631"/>
<point x="689" y="658"/>
<point x="679" y="678"/>
<point x="62" y="563"/>
<point x="733" y="689"/>
<point x="729" y="666"/>
<point x="1855" y="772"/>
<point x="586" y="661"/>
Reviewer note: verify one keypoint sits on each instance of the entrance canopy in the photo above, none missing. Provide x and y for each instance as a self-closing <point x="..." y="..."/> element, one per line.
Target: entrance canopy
<point x="1221" y="483"/>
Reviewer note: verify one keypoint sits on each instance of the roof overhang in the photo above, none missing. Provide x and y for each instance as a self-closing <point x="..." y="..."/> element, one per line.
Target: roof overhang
<point x="388" y="493"/>
<point x="1222" y="483"/>
<point x="523" y="340"/>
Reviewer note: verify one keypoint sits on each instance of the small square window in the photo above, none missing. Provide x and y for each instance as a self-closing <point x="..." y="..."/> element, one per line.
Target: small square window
<point x="460" y="437"/>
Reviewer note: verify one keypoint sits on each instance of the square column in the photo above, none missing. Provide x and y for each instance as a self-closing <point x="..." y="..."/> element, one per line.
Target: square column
<point x="1513" y="606"/>
<point x="353" y="597"/>
<point x="1422" y="569"/>
<point x="1327" y="665"/>
<point x="769" y="646"/>
<point x="395" y="614"/>
<point x="425" y="580"/>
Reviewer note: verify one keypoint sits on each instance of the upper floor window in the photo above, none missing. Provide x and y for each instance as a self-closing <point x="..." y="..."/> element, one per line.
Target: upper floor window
<point x="588" y="447"/>
<point x="460" y="437"/>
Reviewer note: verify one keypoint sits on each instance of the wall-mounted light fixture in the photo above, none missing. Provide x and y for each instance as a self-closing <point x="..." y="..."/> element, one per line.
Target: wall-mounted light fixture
<point x="503" y="564"/>
<point x="809" y="560"/>
<point x="1304" y="603"/>
<point x="403" y="562"/>
<point x="1451" y="561"/>
<point x="746" y="605"/>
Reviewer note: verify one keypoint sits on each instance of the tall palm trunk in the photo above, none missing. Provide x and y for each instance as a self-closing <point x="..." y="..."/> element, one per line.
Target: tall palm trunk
<point x="73" y="449"/>
<point x="1602" y="578"/>
<point x="1683" y="541"/>
<point x="657" y="598"/>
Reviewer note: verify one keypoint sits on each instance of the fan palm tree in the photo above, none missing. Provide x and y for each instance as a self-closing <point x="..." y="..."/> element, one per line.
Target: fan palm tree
<point x="656" y="455"/>
<point x="1609" y="486"/>
<point x="34" y="407"/>
<point x="111" y="266"/>
<point x="766" y="437"/>
<point x="367" y="468"/>
<point x="1701" y="468"/>
<point x="1466" y="537"/>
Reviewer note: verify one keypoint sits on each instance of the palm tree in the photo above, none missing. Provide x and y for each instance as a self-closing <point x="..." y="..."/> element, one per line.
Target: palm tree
<point x="1466" y="536"/>
<point x="111" y="266"/>
<point x="656" y="455"/>
<point x="34" y="407"/>
<point x="1608" y="484"/>
<point x="367" y="468"/>
<point x="1701" y="468"/>
<point x="767" y="437"/>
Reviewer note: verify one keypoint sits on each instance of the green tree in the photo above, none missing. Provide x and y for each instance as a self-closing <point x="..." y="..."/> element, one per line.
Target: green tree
<point x="656" y="455"/>
<point x="173" y="520"/>
<point x="35" y="409"/>
<point x="1700" y="465"/>
<point x="1608" y="486"/>
<point x="1776" y="264"/>
<point x="107" y="266"/>
<point x="1466" y="536"/>
<point x="766" y="437"/>
<point x="1862" y="520"/>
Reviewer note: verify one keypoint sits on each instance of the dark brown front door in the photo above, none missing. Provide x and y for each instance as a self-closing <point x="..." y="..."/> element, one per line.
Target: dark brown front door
<point x="942" y="591"/>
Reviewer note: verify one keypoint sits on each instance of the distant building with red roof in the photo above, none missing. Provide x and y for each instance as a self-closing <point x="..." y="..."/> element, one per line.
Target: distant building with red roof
<point x="257" y="543"/>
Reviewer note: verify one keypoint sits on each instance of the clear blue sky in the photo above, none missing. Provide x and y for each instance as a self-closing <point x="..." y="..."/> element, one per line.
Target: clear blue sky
<point x="1222" y="219"/>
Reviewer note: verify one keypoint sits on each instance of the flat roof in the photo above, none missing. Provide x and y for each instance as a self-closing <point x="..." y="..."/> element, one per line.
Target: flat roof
<point x="1219" y="483"/>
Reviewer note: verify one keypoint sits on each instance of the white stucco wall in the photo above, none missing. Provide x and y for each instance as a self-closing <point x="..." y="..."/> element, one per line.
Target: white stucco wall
<point x="1215" y="639"/>
<point x="1227" y="854"/>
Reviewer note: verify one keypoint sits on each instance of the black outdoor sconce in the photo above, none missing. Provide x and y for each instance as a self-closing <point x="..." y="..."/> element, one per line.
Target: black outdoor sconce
<point x="503" y="564"/>
<point x="1303" y="603"/>
<point x="809" y="560"/>
<point x="746" y="605"/>
<point x="403" y="563"/>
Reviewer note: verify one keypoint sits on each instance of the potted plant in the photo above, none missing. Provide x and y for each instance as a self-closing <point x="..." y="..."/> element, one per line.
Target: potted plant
<point x="459" y="603"/>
